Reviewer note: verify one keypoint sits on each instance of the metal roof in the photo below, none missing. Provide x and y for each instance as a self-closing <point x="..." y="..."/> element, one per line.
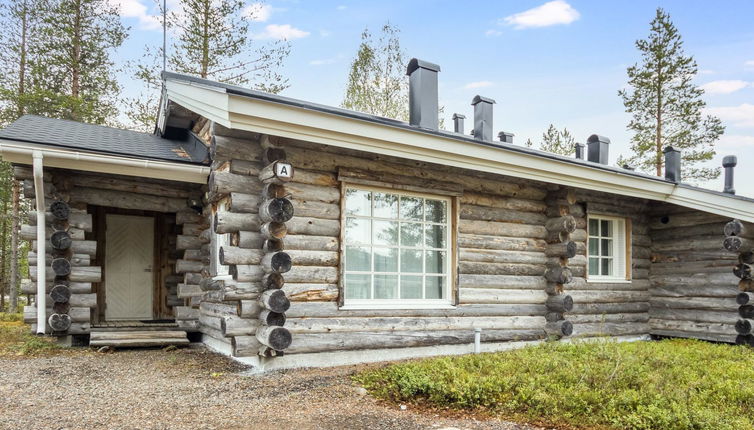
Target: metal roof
<point x="104" y="140"/>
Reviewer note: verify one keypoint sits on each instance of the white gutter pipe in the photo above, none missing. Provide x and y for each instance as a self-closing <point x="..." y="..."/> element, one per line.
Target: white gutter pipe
<point x="39" y="192"/>
<point x="21" y="153"/>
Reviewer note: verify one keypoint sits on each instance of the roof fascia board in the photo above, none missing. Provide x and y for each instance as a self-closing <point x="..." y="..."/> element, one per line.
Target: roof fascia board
<point x="209" y="102"/>
<point x="21" y="153"/>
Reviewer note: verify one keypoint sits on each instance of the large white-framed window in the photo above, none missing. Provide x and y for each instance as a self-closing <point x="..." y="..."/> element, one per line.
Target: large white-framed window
<point x="396" y="248"/>
<point x="607" y="248"/>
<point x="216" y="241"/>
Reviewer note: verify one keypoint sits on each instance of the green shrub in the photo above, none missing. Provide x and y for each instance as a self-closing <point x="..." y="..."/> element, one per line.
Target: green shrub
<point x="16" y="338"/>
<point x="672" y="384"/>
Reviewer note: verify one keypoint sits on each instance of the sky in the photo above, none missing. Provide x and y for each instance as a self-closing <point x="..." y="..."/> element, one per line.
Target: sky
<point x="559" y="62"/>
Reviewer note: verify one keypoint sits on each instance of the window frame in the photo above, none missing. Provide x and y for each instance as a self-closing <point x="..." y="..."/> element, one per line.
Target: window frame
<point x="217" y="270"/>
<point x="450" y="262"/>
<point x="624" y="274"/>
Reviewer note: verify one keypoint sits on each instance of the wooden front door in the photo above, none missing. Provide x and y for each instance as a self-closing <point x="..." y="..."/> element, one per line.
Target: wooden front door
<point x="129" y="255"/>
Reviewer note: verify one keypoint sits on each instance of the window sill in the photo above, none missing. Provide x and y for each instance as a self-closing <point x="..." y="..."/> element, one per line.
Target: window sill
<point x="608" y="280"/>
<point x="367" y="307"/>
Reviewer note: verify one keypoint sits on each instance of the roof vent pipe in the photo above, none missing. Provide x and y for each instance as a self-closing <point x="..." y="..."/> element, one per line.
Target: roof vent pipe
<point x="580" y="150"/>
<point x="729" y="162"/>
<point x="598" y="149"/>
<point x="672" y="164"/>
<point x="422" y="94"/>
<point x="483" y="118"/>
<point x="458" y="122"/>
<point x="505" y="137"/>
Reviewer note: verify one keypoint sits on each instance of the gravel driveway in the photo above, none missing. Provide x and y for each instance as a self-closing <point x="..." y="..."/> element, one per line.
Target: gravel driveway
<point x="193" y="388"/>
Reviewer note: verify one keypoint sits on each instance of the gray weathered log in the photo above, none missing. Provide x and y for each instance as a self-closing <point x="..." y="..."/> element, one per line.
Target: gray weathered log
<point x="277" y="262"/>
<point x="235" y="255"/>
<point x="60" y="293"/>
<point x="78" y="274"/>
<point x="229" y="222"/>
<point x="268" y="317"/>
<point x="232" y="325"/>
<point x="245" y="346"/>
<point x="560" y="303"/>
<point x="738" y="228"/>
<point x="745" y="298"/>
<point x="273" y="230"/>
<point x="276" y="210"/>
<point x="565" y="249"/>
<point x="82" y="221"/>
<point x="313" y="226"/>
<point x="559" y="328"/>
<point x="277" y="338"/>
<point x="561" y="224"/>
<point x="59" y="322"/>
<point x="275" y="301"/>
<point x="558" y="274"/>
<point x="222" y="183"/>
<point x="744" y="326"/>
<point x="243" y="203"/>
<point x="126" y="200"/>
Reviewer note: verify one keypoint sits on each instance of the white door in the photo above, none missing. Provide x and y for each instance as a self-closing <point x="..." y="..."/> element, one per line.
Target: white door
<point x="129" y="255"/>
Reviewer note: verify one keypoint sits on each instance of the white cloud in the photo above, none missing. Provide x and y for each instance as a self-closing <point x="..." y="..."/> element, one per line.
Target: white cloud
<point x="749" y="63"/>
<point x="258" y="12"/>
<point x="342" y="7"/>
<point x="281" y="32"/>
<point x="551" y="13"/>
<point x="322" y="62"/>
<point x="493" y="32"/>
<point x="740" y="116"/>
<point x="478" y="84"/>
<point x="137" y="10"/>
<point x="724" y="87"/>
<point x="735" y="142"/>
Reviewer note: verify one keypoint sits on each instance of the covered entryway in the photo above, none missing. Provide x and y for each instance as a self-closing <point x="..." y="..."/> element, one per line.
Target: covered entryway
<point x="129" y="257"/>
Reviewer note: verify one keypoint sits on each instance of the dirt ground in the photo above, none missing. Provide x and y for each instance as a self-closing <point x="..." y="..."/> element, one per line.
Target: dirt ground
<point x="193" y="388"/>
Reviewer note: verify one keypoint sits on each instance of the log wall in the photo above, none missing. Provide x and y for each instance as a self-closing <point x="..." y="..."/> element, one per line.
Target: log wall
<point x="693" y="290"/>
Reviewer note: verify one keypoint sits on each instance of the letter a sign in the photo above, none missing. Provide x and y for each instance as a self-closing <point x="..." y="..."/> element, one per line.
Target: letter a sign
<point x="283" y="171"/>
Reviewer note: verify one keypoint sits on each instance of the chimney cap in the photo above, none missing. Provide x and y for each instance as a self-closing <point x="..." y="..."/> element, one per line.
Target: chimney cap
<point x="479" y="98"/>
<point x="503" y="135"/>
<point x="597" y="138"/>
<point x="669" y="149"/>
<point x="730" y="161"/>
<point x="416" y="63"/>
<point x="458" y="116"/>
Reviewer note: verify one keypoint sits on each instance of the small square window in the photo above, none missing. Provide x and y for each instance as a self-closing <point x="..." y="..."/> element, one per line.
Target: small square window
<point x="607" y="248"/>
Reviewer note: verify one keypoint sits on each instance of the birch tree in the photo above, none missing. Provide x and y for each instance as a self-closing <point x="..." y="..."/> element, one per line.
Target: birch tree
<point x="666" y="107"/>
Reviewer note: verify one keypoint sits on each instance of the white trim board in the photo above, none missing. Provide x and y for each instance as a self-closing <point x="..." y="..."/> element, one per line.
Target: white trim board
<point x="297" y="122"/>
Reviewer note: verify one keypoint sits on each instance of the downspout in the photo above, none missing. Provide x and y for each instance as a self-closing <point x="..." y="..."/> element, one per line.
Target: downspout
<point x="39" y="193"/>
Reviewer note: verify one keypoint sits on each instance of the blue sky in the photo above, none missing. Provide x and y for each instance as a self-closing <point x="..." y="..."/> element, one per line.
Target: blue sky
<point x="559" y="62"/>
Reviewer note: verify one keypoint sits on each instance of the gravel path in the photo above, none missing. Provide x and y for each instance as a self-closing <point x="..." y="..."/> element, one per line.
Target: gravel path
<point x="193" y="388"/>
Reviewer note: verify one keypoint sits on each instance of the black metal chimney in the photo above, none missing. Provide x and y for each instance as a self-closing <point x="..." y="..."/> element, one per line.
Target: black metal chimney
<point x="483" y="118"/>
<point x="458" y="122"/>
<point x="729" y="162"/>
<point x="672" y="164"/>
<point x="579" y="151"/>
<point x="598" y="149"/>
<point x="422" y="94"/>
<point x="505" y="137"/>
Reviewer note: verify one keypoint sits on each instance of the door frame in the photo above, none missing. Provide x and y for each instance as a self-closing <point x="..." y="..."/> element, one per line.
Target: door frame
<point x="160" y="266"/>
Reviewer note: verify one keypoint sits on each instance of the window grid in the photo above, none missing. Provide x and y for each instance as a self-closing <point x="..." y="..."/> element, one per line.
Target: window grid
<point x="605" y="242"/>
<point x="401" y="220"/>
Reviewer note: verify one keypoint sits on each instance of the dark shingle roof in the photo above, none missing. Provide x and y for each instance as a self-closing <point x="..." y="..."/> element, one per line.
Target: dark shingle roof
<point x="104" y="140"/>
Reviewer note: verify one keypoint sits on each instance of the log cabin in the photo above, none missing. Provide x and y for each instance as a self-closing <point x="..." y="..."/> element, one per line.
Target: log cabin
<point x="287" y="233"/>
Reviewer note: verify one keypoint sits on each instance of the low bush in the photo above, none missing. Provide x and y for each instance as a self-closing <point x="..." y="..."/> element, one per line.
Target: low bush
<point x="16" y="338"/>
<point x="671" y="384"/>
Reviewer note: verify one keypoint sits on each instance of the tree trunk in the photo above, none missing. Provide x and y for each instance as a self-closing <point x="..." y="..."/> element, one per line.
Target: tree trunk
<point x="14" y="248"/>
<point x="3" y="256"/>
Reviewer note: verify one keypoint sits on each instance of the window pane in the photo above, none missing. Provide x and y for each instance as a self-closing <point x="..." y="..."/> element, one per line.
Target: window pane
<point x="358" y="230"/>
<point x="358" y="202"/>
<point x="606" y="230"/>
<point x="411" y="287"/>
<point x="358" y="286"/>
<point x="358" y="259"/>
<point x="435" y="262"/>
<point x="594" y="266"/>
<point x="385" y="259"/>
<point x="385" y="232"/>
<point x="411" y="208"/>
<point x="436" y="210"/>
<point x="594" y="227"/>
<point x="435" y="287"/>
<point x="594" y="246"/>
<point x="607" y="266"/>
<point x="411" y="234"/>
<point x="607" y="247"/>
<point x="385" y="286"/>
<point x="434" y="236"/>
<point x="385" y="205"/>
<point x="411" y="261"/>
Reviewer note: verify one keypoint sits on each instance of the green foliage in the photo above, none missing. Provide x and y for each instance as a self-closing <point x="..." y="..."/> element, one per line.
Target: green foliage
<point x="16" y="338"/>
<point x="672" y="384"/>
<point x="556" y="142"/>
<point x="666" y="107"/>
<point x="377" y="82"/>
<point x="213" y="42"/>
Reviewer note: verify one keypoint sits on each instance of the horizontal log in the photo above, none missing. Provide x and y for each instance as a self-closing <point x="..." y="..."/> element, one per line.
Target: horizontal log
<point x="313" y="226"/>
<point x="78" y="220"/>
<point x="692" y="326"/>
<point x="698" y="280"/>
<point x="501" y="282"/>
<point x="564" y="249"/>
<point x="310" y="243"/>
<point x="188" y="290"/>
<point x="745" y="298"/>
<point x="232" y="325"/>
<point x="501" y="243"/>
<point x="488" y="200"/>
<point x="468" y="267"/>
<point x="577" y="319"/>
<point x="313" y="192"/>
<point x="229" y="222"/>
<point x="235" y="255"/>
<point x="559" y="303"/>
<point x="78" y="274"/>
<point x="276" y="210"/>
<point x="311" y="292"/>
<point x="687" y="219"/>
<point x="501" y="256"/>
<point x="687" y="268"/>
<point x="323" y="342"/>
<point x="75" y="287"/>
<point x="29" y="232"/>
<point x="559" y="328"/>
<point x="223" y="148"/>
<point x="223" y="183"/>
<point x="698" y="243"/>
<point x="484" y="213"/>
<point x="247" y="273"/>
<point x="133" y="185"/>
<point x="487" y="295"/>
<point x="185" y="313"/>
<point x="609" y="308"/>
<point x="183" y="266"/>
<point x="331" y="309"/>
<point x="694" y="291"/>
<point x="393" y="324"/>
<point x="75" y="328"/>
<point x="726" y="317"/>
<point x="76" y="259"/>
<point x="606" y="296"/>
<point x="77" y="314"/>
<point x="245" y="346"/>
<point x="505" y="229"/>
<point x="275" y="301"/>
<point x="610" y="329"/>
<point x="313" y="258"/>
<point x="189" y="242"/>
<point x="701" y="303"/>
<point x="127" y="200"/>
<point x="312" y="274"/>
<point x="558" y="274"/>
<point x="277" y="338"/>
<point x="187" y="216"/>
<point x="276" y="262"/>
<point x="737" y="228"/>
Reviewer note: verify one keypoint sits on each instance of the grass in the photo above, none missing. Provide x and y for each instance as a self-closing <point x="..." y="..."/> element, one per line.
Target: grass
<point x="16" y="338"/>
<point x="670" y="384"/>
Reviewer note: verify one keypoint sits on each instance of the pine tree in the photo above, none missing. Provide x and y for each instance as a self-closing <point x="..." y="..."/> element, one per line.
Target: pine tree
<point x="213" y="42"/>
<point x="666" y="106"/>
<point x="557" y="142"/>
<point x="19" y="20"/>
<point x="377" y="82"/>
<point x="76" y="79"/>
